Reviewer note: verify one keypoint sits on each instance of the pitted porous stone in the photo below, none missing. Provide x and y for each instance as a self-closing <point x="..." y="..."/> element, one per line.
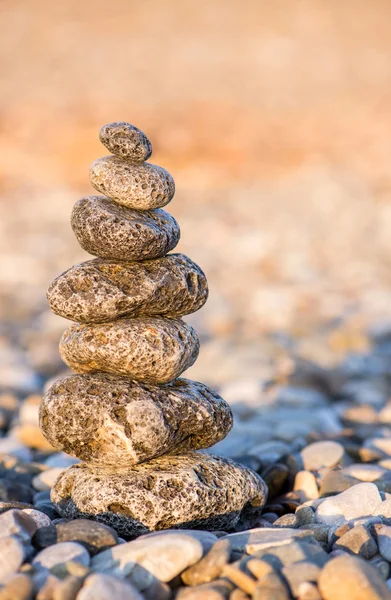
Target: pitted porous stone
<point x="191" y="491"/>
<point x="100" y="290"/>
<point x="113" y="421"/>
<point x="141" y="187"/>
<point x="126" y="141"/>
<point x="108" y="230"/>
<point x="149" y="349"/>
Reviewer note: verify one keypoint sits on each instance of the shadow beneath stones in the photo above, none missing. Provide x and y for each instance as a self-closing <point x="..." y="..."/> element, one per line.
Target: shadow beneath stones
<point x="130" y="528"/>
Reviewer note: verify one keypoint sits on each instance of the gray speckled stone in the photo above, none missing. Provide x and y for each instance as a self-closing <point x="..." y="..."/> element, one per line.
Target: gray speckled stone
<point x="108" y="230"/>
<point x="150" y="350"/>
<point x="141" y="187"/>
<point x="110" y="420"/>
<point x="126" y="141"/>
<point x="100" y="290"/>
<point x="194" y="490"/>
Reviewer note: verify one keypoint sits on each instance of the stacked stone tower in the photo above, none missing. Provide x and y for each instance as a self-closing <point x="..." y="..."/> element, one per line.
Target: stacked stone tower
<point x="124" y="412"/>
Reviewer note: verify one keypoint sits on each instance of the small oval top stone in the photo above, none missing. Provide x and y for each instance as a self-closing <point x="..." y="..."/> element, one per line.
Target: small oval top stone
<point x="138" y="186"/>
<point x="126" y="141"/>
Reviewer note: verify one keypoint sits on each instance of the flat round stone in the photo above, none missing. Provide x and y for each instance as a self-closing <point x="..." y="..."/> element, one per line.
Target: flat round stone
<point x="151" y="350"/>
<point x="100" y="290"/>
<point x="194" y="490"/>
<point x="322" y="454"/>
<point x="126" y="141"/>
<point x="141" y="187"/>
<point x="108" y="230"/>
<point x="109" y="420"/>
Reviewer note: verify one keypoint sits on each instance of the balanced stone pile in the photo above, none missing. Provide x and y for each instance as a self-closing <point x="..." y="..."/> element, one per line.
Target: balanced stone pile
<point x="125" y="413"/>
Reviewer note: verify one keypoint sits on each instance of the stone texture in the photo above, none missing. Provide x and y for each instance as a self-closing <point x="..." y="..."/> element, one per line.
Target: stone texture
<point x="108" y="230"/>
<point x="151" y="350"/>
<point x="195" y="490"/>
<point x="109" y="420"/>
<point x="164" y="556"/>
<point x="353" y="578"/>
<point x="99" y="290"/>
<point x="141" y="187"/>
<point x="39" y="518"/>
<point x="361" y="500"/>
<point x="126" y="141"/>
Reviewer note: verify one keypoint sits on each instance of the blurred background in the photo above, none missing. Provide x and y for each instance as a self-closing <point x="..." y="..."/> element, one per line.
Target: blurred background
<point x="274" y="119"/>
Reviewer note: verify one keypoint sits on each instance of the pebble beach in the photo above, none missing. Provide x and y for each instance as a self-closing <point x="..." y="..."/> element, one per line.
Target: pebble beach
<point x="283" y="200"/>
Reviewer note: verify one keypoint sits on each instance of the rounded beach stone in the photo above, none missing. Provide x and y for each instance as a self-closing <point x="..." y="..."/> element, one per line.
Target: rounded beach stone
<point x="322" y="454"/>
<point x="194" y="490"/>
<point x="12" y="555"/>
<point x="108" y="230"/>
<point x="109" y="420"/>
<point x="60" y="554"/>
<point x="350" y="577"/>
<point x="141" y="187"/>
<point x="151" y="350"/>
<point x="163" y="554"/>
<point x="106" y="587"/>
<point x="126" y="141"/>
<point x="99" y="290"/>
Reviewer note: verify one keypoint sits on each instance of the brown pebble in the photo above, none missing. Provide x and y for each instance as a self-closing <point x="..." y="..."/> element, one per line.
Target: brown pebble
<point x="349" y="577"/>
<point x="308" y="591"/>
<point x="17" y="587"/>
<point x="68" y="588"/>
<point x="151" y="350"/>
<point x="99" y="290"/>
<point x="126" y="141"/>
<point x="271" y="587"/>
<point x="220" y="589"/>
<point x="151" y="496"/>
<point x="238" y="595"/>
<point x="210" y="566"/>
<point x="238" y="577"/>
<point x="114" y="421"/>
<point x="140" y="187"/>
<point x="106" y="229"/>
<point x="259" y="568"/>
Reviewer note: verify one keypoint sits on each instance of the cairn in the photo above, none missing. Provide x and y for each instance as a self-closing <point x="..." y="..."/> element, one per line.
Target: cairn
<point x="125" y="413"/>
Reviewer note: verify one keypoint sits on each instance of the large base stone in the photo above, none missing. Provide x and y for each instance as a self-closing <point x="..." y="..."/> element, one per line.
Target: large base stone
<point x="192" y="491"/>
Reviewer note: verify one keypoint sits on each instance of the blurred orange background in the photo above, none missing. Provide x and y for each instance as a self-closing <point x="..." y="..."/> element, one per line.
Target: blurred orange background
<point x="274" y="119"/>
